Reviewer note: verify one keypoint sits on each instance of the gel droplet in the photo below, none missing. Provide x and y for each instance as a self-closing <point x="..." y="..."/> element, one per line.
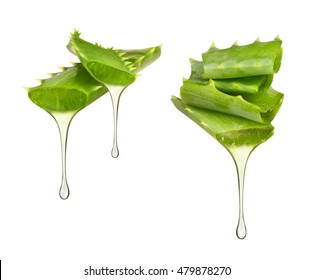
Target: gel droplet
<point x="241" y="154"/>
<point x="115" y="151"/>
<point x="115" y="93"/>
<point x="64" y="190"/>
<point x="241" y="230"/>
<point x="63" y="120"/>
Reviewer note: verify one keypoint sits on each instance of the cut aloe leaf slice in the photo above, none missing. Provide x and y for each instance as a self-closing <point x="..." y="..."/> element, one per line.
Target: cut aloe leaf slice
<point x="227" y="129"/>
<point x="206" y="96"/>
<point x="104" y="64"/>
<point x="135" y="59"/>
<point x="247" y="85"/>
<point x="70" y="90"/>
<point x="261" y="107"/>
<point x="258" y="58"/>
<point x="141" y="58"/>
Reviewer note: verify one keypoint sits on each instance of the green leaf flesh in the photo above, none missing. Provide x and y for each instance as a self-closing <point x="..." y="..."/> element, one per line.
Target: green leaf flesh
<point x="70" y="90"/>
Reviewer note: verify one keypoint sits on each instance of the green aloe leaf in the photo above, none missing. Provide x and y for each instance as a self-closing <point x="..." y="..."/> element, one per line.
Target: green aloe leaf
<point x="207" y="96"/>
<point x="227" y="129"/>
<point x="70" y="90"/>
<point x="251" y="85"/>
<point x="104" y="64"/>
<point x="259" y="58"/>
<point x="110" y="66"/>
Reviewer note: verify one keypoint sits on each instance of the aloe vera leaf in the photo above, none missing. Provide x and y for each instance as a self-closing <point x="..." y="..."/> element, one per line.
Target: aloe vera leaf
<point x="206" y="96"/>
<point x="258" y="58"/>
<point x="70" y="90"/>
<point x="141" y="58"/>
<point x="106" y="65"/>
<point x="247" y="85"/>
<point x="227" y="129"/>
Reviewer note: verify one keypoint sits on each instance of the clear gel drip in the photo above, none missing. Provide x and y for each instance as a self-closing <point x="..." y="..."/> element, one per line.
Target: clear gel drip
<point x="115" y="93"/>
<point x="240" y="154"/>
<point x="63" y="120"/>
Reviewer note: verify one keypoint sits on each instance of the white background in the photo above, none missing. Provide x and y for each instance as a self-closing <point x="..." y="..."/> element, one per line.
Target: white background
<point x="171" y="198"/>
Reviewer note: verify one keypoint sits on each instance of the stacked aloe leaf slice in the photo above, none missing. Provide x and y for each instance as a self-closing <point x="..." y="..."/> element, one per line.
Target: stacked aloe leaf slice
<point x="229" y="93"/>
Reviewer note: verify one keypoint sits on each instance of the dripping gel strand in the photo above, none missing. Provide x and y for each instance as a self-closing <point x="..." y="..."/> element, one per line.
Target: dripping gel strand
<point x="63" y="120"/>
<point x="240" y="155"/>
<point x="115" y="93"/>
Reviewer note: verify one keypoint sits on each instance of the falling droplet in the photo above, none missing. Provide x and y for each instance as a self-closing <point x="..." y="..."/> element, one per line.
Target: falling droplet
<point x="241" y="154"/>
<point x="115" y="93"/>
<point x="63" y="120"/>
<point x="64" y="189"/>
<point x="241" y="230"/>
<point x="115" y="151"/>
